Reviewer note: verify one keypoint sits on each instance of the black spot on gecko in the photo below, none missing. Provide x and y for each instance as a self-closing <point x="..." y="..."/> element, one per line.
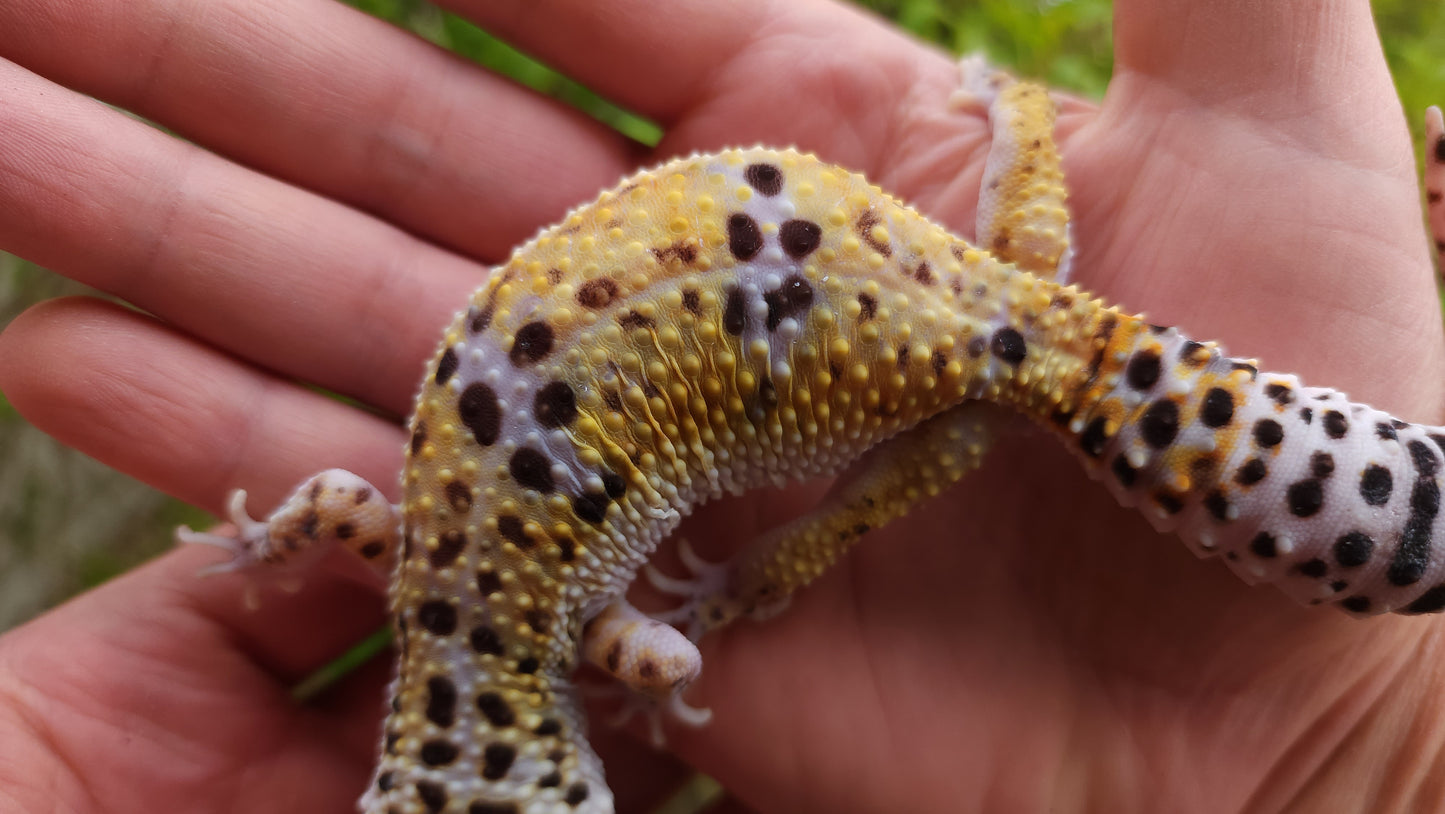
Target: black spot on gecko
<point x="682" y="250"/>
<point x="598" y="293"/>
<point x="418" y="437"/>
<point x="496" y="710"/>
<point x="1376" y="484"/>
<point x="555" y="405"/>
<point x="1356" y="604"/>
<point x="488" y="582"/>
<point x="1124" y="471"/>
<point x="614" y="485"/>
<point x="923" y="274"/>
<point x="1218" y="408"/>
<point x="1315" y="568"/>
<point x="1280" y="394"/>
<point x="551" y="780"/>
<point x="1143" y="370"/>
<point x="441" y="704"/>
<point x="1432" y="601"/>
<point x="446" y="366"/>
<point x="1322" y="465"/>
<point x="792" y="298"/>
<point x="590" y="507"/>
<point x="384" y="781"/>
<point x="548" y="727"/>
<point x="765" y="178"/>
<point x="372" y="550"/>
<point x="1247" y="367"/>
<point x="1306" y="415"/>
<point x="1169" y="502"/>
<point x="691" y="301"/>
<point x="1217" y="504"/>
<point x="511" y="527"/>
<point x="767" y="393"/>
<point x="1335" y="424"/>
<point x="459" y="496"/>
<point x="537" y="620"/>
<point x="868" y="305"/>
<point x="1354" y="549"/>
<point x="1263" y="545"/>
<point x="1305" y="497"/>
<point x="734" y="313"/>
<point x="799" y="237"/>
<point x="1160" y="424"/>
<point x="1385" y="432"/>
<point x="1251" y="472"/>
<point x="432" y="795"/>
<point x="528" y="665"/>
<point x="1093" y="438"/>
<point x="533" y="343"/>
<point x="486" y="641"/>
<point x="1193" y="354"/>
<point x="1268" y="433"/>
<point x="449" y="546"/>
<point x="864" y="226"/>
<point x="482" y="318"/>
<point x="438" y="753"/>
<point x="633" y="320"/>
<point x="938" y="362"/>
<point x="576" y="794"/>
<point x="497" y="760"/>
<point x="481" y="412"/>
<point x="531" y="469"/>
<point x="745" y="239"/>
<point x="437" y="616"/>
<point x="976" y="346"/>
<point x="1008" y="345"/>
<point x="1412" y="556"/>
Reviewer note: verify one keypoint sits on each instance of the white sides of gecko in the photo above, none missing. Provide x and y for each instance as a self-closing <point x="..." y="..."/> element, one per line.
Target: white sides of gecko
<point x="756" y="316"/>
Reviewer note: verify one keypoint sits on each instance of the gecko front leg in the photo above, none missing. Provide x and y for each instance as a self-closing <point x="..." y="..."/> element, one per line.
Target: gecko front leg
<point x="334" y="507"/>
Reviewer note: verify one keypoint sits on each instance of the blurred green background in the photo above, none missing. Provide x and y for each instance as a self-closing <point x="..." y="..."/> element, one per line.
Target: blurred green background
<point x="67" y="523"/>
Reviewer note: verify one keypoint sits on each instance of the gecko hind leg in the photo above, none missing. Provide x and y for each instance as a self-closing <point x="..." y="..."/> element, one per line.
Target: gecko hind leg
<point x="888" y="481"/>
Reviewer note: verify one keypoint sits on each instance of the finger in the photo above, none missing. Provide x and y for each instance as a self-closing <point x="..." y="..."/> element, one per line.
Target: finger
<point x="189" y="420"/>
<point x="1270" y="60"/>
<point x="322" y="95"/>
<point x="793" y="73"/>
<point x="288" y="279"/>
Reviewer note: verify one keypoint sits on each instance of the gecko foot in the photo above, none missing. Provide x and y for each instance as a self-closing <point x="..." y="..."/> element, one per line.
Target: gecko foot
<point x="654" y="710"/>
<point x="708" y="601"/>
<point x="244" y="543"/>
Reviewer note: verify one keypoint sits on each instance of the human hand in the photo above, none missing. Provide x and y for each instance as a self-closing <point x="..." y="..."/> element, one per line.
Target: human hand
<point x="1228" y="159"/>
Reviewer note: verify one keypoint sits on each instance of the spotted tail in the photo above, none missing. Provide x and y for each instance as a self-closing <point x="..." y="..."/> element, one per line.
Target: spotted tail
<point x="1332" y="500"/>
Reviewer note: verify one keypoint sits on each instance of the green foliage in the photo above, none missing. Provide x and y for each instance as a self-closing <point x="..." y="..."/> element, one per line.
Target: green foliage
<point x="1067" y="43"/>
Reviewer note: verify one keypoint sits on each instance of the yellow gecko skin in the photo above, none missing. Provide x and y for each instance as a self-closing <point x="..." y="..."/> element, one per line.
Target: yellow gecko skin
<point x="757" y="316"/>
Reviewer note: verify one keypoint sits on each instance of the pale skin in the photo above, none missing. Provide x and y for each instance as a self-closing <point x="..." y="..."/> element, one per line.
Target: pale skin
<point x="1019" y="644"/>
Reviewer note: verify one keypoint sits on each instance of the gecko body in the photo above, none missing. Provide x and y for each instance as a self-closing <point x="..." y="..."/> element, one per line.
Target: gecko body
<point x="753" y="317"/>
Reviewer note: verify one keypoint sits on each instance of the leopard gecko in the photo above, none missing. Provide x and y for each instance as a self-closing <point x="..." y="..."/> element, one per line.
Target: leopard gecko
<point x="756" y="316"/>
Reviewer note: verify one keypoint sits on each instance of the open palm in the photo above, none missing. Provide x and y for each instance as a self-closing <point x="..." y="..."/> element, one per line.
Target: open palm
<point x="1019" y="644"/>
